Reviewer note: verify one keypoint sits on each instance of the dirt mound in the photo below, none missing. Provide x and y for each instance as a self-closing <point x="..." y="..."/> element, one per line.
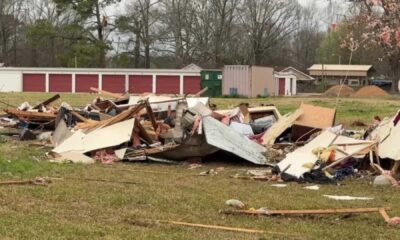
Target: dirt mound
<point x="371" y="91"/>
<point x="345" y="91"/>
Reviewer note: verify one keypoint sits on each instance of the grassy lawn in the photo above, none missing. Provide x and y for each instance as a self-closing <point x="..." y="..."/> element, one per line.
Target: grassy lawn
<point x="122" y="201"/>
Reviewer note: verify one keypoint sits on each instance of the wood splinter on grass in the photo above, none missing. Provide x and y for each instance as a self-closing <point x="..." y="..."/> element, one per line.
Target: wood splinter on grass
<point x="216" y="227"/>
<point x="41" y="181"/>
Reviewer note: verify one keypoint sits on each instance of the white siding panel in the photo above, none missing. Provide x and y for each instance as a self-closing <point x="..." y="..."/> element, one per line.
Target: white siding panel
<point x="10" y="82"/>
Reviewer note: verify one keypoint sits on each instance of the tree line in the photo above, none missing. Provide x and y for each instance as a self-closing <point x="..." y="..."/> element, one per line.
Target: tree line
<point x="157" y="33"/>
<point x="175" y="33"/>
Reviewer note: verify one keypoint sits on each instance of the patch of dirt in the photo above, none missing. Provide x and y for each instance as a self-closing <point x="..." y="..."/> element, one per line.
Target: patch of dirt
<point x="371" y="91"/>
<point x="345" y="91"/>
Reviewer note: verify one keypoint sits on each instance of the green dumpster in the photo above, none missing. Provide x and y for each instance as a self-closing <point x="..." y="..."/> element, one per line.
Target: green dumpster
<point x="213" y="80"/>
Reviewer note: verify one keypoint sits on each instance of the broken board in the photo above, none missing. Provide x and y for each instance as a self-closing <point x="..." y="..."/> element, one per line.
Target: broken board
<point x="313" y="119"/>
<point x="80" y="142"/>
<point x="280" y="126"/>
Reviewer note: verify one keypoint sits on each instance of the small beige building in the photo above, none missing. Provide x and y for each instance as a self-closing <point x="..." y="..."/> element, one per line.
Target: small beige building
<point x="352" y="75"/>
<point x="248" y="81"/>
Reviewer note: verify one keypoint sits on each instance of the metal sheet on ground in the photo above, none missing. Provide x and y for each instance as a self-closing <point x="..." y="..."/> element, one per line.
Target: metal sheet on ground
<point x="223" y="137"/>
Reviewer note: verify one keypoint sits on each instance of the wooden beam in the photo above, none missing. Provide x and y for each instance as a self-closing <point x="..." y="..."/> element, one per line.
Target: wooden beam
<point x="80" y="117"/>
<point x="304" y="212"/>
<point x="231" y="229"/>
<point x="280" y="126"/>
<point x="151" y="115"/>
<point x="48" y="101"/>
<point x="110" y="94"/>
<point x="40" y="116"/>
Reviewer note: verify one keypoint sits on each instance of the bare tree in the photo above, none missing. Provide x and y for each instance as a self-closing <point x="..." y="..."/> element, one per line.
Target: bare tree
<point x="268" y="22"/>
<point x="9" y="24"/>
<point x="306" y="36"/>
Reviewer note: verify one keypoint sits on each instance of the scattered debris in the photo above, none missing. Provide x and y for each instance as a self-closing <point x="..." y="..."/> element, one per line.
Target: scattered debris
<point x="381" y="180"/>
<point x="194" y="166"/>
<point x="41" y="181"/>
<point x="302" y="146"/>
<point x="267" y="212"/>
<point x="314" y="187"/>
<point x="347" y="198"/>
<point x="279" y="185"/>
<point x="303" y="159"/>
<point x="210" y="172"/>
<point x="235" y="203"/>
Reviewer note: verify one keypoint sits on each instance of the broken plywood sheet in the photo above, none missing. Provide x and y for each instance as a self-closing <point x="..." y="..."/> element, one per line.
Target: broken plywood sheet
<point x="100" y="138"/>
<point x="294" y="163"/>
<point x="316" y="117"/>
<point x="280" y="126"/>
<point x="221" y="136"/>
<point x="387" y="134"/>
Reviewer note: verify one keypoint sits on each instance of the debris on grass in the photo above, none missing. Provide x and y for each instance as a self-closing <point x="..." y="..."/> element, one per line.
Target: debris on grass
<point x="302" y="146"/>
<point x="347" y="198"/>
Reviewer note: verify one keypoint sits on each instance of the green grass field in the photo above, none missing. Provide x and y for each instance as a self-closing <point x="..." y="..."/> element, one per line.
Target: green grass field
<point x="122" y="201"/>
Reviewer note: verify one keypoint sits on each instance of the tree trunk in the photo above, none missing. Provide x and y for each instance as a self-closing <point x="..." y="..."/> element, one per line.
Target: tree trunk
<point x="395" y="67"/>
<point x="136" y="51"/>
<point x="102" y="57"/>
<point x="147" y="55"/>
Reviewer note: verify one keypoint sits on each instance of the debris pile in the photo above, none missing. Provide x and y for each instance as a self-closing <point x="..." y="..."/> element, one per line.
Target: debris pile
<point x="302" y="146"/>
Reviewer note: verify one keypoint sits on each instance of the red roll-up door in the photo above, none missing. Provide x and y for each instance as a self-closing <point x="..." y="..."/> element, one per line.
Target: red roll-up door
<point x="282" y="86"/>
<point x="191" y="84"/>
<point x="167" y="84"/>
<point x="114" y="83"/>
<point x="60" y="83"/>
<point x="33" y="82"/>
<point x="140" y="83"/>
<point x="84" y="82"/>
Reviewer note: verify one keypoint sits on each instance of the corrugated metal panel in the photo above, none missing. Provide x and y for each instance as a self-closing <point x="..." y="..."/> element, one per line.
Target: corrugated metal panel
<point x="140" y="83"/>
<point x="114" y="83"/>
<point x="191" y="84"/>
<point x="168" y="84"/>
<point x="85" y="81"/>
<point x="60" y="83"/>
<point x="236" y="77"/>
<point x="34" y="82"/>
<point x="225" y="138"/>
